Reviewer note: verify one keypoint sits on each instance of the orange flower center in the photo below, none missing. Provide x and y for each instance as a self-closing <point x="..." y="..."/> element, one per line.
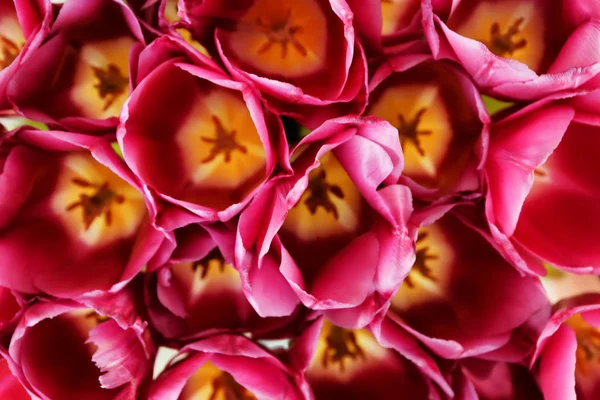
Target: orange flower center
<point x="204" y="264"/>
<point x="282" y="37"/>
<point x="111" y="209"/>
<point x="319" y="191"/>
<point x="341" y="345"/>
<point x="503" y="44"/>
<point x="224" y="142"/>
<point x="111" y="84"/>
<point x="281" y="32"/>
<point x="97" y="204"/>
<point x="211" y="383"/>
<point x="330" y="206"/>
<point x="422" y="259"/>
<point x="588" y="344"/>
<point x="230" y="389"/>
<point x="10" y="51"/>
<point x="510" y="28"/>
<point x="409" y="130"/>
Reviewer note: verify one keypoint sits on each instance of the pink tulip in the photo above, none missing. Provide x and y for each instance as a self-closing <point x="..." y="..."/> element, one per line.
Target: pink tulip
<point x="333" y="234"/>
<point x="543" y="189"/>
<point x="198" y="292"/>
<point x="479" y="302"/>
<point x="522" y="50"/>
<point x="73" y="218"/>
<point x="227" y="366"/>
<point x="341" y="363"/>
<point x="64" y="349"/>
<point x="80" y="77"/>
<point x="196" y="139"/>
<point x="441" y="119"/>
<point x="566" y="358"/>
<point x="303" y="56"/>
<point x="25" y="24"/>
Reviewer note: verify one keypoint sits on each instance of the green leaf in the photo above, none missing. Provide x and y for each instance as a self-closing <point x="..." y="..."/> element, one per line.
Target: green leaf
<point x="494" y="105"/>
<point x="117" y="149"/>
<point x="14" y="122"/>
<point x="553" y="272"/>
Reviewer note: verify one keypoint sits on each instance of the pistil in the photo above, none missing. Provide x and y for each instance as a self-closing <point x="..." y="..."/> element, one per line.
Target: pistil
<point x="230" y="388"/>
<point x="204" y="264"/>
<point x="502" y="44"/>
<point x="96" y="205"/>
<point x="341" y="344"/>
<point x="10" y="51"/>
<point x="282" y="32"/>
<point x="320" y="190"/>
<point x="422" y="257"/>
<point x="409" y="130"/>
<point x="224" y="142"/>
<point x="111" y="84"/>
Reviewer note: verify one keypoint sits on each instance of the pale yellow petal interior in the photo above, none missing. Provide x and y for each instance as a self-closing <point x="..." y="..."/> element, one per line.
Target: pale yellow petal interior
<point x="323" y="223"/>
<point x="506" y="13"/>
<point x="125" y="216"/>
<point x="99" y="61"/>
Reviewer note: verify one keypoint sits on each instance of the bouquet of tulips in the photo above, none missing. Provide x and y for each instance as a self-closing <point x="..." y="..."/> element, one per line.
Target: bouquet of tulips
<point x="299" y="199"/>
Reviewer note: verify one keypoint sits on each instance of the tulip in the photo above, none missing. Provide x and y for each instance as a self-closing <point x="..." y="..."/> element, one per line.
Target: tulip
<point x="542" y="190"/>
<point x="441" y="120"/>
<point x="198" y="292"/>
<point x="73" y="218"/>
<point x="227" y="367"/>
<point x="80" y="77"/>
<point x="522" y="50"/>
<point x="303" y="56"/>
<point x="340" y="363"/>
<point x="566" y="357"/>
<point x="332" y="234"/>
<point x="65" y="349"/>
<point x="25" y="24"/>
<point x="479" y="301"/>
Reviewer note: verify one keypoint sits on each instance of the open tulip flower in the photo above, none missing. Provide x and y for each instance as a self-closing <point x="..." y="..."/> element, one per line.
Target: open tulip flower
<point x="566" y="358"/>
<point x="299" y="199"/>
<point x="67" y="349"/>
<point x="327" y="235"/>
<point x="340" y="363"/>
<point x="517" y="49"/>
<point x="303" y="55"/>
<point x="23" y="27"/>
<point x="227" y="367"/>
<point x="479" y="301"/>
<point x="198" y="292"/>
<point x="553" y="192"/>
<point x="70" y="224"/>
<point x="441" y="120"/>
<point x="216" y="149"/>
<point x="82" y="68"/>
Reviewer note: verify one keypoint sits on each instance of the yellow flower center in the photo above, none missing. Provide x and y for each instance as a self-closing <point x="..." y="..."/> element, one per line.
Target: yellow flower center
<point x="101" y="83"/>
<point x="511" y="29"/>
<point x="96" y="205"/>
<point x="211" y="383"/>
<point x="11" y="40"/>
<point x="282" y="37"/>
<point x="330" y="206"/>
<point x="428" y="276"/>
<point x="588" y="345"/>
